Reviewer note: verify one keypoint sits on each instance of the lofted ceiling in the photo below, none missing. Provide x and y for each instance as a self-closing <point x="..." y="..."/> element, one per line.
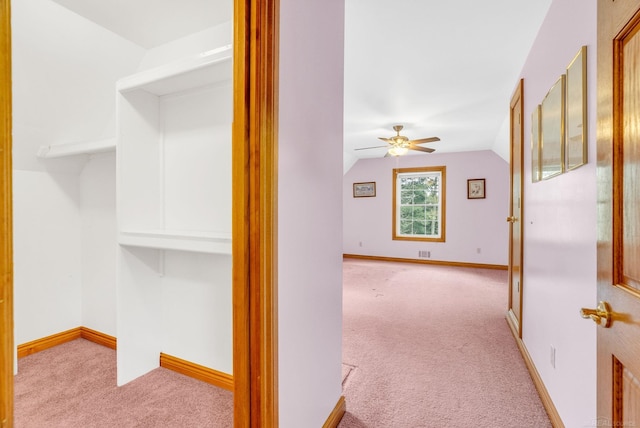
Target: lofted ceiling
<point x="440" y="68"/>
<point x="150" y="23"/>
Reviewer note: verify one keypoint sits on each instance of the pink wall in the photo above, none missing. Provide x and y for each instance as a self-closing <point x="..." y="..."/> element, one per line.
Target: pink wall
<point x="560" y="228"/>
<point x="310" y="210"/>
<point x="470" y="223"/>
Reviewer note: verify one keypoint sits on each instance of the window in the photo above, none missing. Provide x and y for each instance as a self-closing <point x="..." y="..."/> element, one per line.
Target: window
<point x="419" y="203"/>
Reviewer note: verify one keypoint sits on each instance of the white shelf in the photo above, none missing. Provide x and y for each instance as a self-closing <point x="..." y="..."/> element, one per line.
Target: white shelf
<point x="201" y="242"/>
<point x="204" y="69"/>
<point x="174" y="155"/>
<point x="77" y="148"/>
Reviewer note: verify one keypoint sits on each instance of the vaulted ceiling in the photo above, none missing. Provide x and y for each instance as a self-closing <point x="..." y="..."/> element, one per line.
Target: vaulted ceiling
<point x="440" y="68"/>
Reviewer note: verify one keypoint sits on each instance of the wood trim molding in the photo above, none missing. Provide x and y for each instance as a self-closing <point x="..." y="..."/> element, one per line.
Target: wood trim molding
<point x="254" y="171"/>
<point x="196" y="371"/>
<point x="552" y="412"/>
<point x="66" y="336"/>
<point x="49" y="342"/>
<point x="425" y="262"/>
<point x="99" y="338"/>
<point x="336" y="415"/>
<point x="514" y="325"/>
<point x="6" y="221"/>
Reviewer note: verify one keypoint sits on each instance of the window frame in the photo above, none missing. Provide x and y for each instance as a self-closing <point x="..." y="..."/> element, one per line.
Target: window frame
<point x="442" y="203"/>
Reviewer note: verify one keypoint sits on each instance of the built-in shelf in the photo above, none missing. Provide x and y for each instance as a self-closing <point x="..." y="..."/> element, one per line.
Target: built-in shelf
<point x="201" y="242"/>
<point x="204" y="69"/>
<point x="77" y="148"/>
<point x="174" y="155"/>
<point x="174" y="193"/>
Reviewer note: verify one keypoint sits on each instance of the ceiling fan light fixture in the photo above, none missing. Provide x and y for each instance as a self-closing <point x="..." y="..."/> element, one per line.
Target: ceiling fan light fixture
<point x="398" y="151"/>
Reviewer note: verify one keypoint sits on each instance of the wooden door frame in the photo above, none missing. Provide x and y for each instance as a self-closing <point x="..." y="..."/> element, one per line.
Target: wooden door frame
<point x="515" y="320"/>
<point x="255" y="355"/>
<point x="254" y="225"/>
<point x="6" y="222"/>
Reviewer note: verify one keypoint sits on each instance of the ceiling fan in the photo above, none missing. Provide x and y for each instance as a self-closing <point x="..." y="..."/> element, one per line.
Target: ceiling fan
<point x="399" y="145"/>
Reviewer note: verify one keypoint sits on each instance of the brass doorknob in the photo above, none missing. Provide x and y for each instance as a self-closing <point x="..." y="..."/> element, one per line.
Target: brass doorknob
<point x="512" y="219"/>
<point x="601" y="315"/>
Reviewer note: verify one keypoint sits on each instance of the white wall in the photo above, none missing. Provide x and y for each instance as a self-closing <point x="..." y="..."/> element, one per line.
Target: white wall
<point x="64" y="68"/>
<point x="560" y="228"/>
<point x="470" y="223"/>
<point x="310" y="210"/>
<point x="47" y="255"/>
<point x="98" y="243"/>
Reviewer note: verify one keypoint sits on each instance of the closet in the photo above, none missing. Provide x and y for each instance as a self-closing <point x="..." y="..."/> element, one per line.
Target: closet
<point x="174" y="213"/>
<point x="122" y="177"/>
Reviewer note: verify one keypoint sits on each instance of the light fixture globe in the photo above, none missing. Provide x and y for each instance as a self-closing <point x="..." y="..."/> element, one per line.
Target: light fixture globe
<point x="398" y="150"/>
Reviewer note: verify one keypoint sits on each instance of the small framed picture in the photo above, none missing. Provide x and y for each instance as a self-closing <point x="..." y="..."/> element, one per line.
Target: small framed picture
<point x="476" y="188"/>
<point x="364" y="190"/>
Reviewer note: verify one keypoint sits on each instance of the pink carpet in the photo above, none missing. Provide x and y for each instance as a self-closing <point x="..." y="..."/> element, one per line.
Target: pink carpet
<point x="424" y="346"/>
<point x="74" y="386"/>
<point x="429" y="346"/>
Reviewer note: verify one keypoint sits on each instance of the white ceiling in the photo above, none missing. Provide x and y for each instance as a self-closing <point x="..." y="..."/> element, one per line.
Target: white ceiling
<point x="440" y="68"/>
<point x="150" y="23"/>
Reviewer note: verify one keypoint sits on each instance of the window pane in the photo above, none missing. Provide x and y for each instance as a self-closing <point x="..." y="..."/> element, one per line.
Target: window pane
<point x="419" y="228"/>
<point x="417" y="204"/>
<point x="419" y="197"/>
<point x="406" y="213"/>
<point x="419" y="213"/>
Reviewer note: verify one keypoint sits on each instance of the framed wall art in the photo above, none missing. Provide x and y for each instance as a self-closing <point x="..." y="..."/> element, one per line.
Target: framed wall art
<point x="364" y="190"/>
<point x="476" y="188"/>
<point x="576" y="111"/>
<point x="552" y="131"/>
<point x="535" y="144"/>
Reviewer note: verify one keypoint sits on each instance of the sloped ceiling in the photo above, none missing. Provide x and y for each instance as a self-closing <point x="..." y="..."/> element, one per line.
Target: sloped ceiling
<point x="440" y="68"/>
<point x="150" y="23"/>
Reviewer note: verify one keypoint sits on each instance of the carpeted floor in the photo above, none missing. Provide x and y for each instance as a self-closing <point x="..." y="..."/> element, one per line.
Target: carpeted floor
<point x="424" y="346"/>
<point x="429" y="346"/>
<point x="73" y="385"/>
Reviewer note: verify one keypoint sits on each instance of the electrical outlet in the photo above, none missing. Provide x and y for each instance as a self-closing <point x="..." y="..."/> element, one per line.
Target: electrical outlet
<point x="360" y="243"/>
<point x="478" y="250"/>
<point x="552" y="357"/>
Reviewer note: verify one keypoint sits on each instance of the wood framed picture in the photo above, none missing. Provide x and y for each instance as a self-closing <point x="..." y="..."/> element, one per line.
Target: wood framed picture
<point x="535" y="144"/>
<point x="552" y="155"/>
<point x="476" y="188"/>
<point x="576" y="120"/>
<point x="364" y="190"/>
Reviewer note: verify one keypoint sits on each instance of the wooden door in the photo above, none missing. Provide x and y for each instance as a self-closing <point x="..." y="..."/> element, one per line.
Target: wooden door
<point x="618" y="213"/>
<point x="514" y="314"/>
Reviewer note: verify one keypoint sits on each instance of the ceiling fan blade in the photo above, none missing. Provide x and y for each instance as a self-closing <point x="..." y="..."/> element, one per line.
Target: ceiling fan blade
<point x="421" y="149"/>
<point x="374" y="147"/>
<point x="425" y="140"/>
<point x="388" y="140"/>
